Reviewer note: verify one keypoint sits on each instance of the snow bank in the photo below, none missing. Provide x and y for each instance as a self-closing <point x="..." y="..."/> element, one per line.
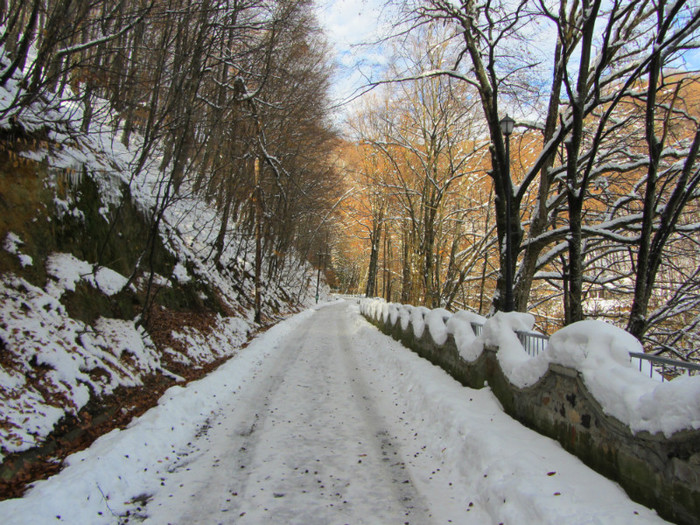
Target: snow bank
<point x="125" y="464"/>
<point x="460" y="326"/>
<point x="601" y="353"/>
<point x="598" y="351"/>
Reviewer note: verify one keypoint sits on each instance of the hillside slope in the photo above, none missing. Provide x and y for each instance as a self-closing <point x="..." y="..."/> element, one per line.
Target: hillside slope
<point x="103" y="304"/>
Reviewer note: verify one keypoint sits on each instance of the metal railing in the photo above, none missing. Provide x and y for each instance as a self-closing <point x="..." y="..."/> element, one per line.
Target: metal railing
<point x="665" y="367"/>
<point x="477" y="328"/>
<point x="532" y="342"/>
<point x="661" y="368"/>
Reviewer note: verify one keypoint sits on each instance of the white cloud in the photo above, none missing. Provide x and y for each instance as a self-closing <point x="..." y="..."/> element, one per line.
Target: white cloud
<point x="349" y="22"/>
<point x="353" y="28"/>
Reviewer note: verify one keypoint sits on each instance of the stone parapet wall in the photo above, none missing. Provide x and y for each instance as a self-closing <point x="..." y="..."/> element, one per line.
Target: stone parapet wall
<point x="658" y="469"/>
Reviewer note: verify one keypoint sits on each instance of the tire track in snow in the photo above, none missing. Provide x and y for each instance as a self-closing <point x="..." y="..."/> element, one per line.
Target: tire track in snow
<point x="211" y="476"/>
<point x="385" y="444"/>
<point x="321" y="453"/>
<point x="303" y="443"/>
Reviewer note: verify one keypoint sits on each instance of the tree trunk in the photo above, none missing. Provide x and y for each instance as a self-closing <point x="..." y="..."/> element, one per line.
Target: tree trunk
<point x="407" y="274"/>
<point x="21" y="53"/>
<point x="540" y="217"/>
<point x="387" y="263"/>
<point x="576" y="188"/>
<point x="374" y="239"/>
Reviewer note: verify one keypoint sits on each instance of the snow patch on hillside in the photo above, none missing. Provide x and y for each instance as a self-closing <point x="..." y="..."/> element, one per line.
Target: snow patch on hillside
<point x="68" y="270"/>
<point x="52" y="364"/>
<point x="12" y="245"/>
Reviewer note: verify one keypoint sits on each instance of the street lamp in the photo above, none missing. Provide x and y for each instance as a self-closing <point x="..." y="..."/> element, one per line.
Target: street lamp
<point x="321" y="258"/>
<point x="507" y="125"/>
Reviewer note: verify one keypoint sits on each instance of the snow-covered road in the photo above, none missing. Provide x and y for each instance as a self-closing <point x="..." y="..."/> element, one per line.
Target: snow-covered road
<point x="305" y="443"/>
<point x="324" y="420"/>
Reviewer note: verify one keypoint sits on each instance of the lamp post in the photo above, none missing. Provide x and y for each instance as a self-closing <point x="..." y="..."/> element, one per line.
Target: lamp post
<point x="507" y="125"/>
<point x="321" y="258"/>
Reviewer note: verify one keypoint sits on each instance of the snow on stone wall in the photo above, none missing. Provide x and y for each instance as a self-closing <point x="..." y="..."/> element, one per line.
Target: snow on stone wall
<point x="582" y="391"/>
<point x="598" y="351"/>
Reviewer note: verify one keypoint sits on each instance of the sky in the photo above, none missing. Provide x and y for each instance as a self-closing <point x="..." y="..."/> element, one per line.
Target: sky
<point x="351" y="27"/>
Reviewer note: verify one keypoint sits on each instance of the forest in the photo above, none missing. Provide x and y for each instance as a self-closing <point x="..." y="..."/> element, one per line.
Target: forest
<point x="227" y="98"/>
<point x="588" y="209"/>
<point x="166" y="173"/>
